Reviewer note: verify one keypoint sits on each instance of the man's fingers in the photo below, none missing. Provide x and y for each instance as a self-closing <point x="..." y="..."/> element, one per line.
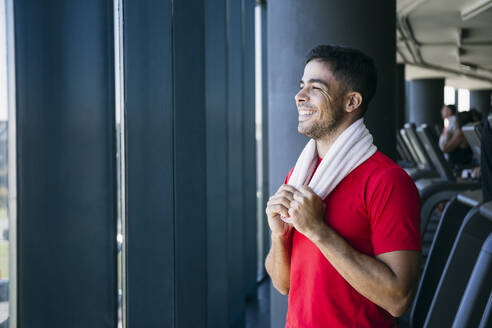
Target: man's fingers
<point x="280" y="200"/>
<point x="283" y="193"/>
<point x="299" y="197"/>
<point x="308" y="192"/>
<point x="288" y="188"/>
<point x="278" y="209"/>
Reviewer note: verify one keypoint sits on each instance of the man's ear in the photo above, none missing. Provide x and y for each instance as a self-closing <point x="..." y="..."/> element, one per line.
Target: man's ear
<point x="353" y="100"/>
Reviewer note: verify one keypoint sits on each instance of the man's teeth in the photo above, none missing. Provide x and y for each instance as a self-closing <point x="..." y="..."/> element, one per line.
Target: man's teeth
<point x="306" y="112"/>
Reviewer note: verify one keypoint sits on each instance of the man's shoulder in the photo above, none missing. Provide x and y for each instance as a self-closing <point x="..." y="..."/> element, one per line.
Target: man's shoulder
<point x="380" y="168"/>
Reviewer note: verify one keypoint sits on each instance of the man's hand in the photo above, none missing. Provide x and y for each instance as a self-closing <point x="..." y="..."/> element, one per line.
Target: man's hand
<point x="277" y="262"/>
<point x="307" y="211"/>
<point x="277" y="205"/>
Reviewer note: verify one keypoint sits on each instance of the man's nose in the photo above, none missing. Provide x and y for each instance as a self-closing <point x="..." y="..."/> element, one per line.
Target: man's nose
<point x="301" y="96"/>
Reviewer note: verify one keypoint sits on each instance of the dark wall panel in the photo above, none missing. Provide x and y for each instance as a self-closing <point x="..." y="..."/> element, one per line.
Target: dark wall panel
<point x="66" y="164"/>
<point x="217" y="162"/>
<point x="190" y="164"/>
<point x="249" y="149"/>
<point x="150" y="164"/>
<point x="236" y="164"/>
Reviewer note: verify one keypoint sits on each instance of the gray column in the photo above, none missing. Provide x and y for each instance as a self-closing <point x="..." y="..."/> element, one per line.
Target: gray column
<point x="399" y="96"/>
<point x="294" y="27"/>
<point x="426" y="97"/>
<point x="407" y="101"/>
<point x="456" y="98"/>
<point x="481" y="100"/>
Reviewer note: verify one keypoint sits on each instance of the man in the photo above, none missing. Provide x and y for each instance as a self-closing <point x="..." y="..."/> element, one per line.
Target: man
<point x="351" y="259"/>
<point x="452" y="140"/>
<point x="448" y="115"/>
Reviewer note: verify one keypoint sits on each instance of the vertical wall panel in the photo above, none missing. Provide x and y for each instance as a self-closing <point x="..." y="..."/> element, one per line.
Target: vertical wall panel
<point x="235" y="154"/>
<point x="217" y="162"/>
<point x="66" y="164"/>
<point x="249" y="149"/>
<point x="150" y="164"/>
<point x="190" y="164"/>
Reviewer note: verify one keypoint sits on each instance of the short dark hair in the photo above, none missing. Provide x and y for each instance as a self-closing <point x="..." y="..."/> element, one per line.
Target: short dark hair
<point x="464" y="118"/>
<point x="352" y="67"/>
<point x="451" y="108"/>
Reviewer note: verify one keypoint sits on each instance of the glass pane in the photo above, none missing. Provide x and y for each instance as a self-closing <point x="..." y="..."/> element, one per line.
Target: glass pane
<point x="463" y="100"/>
<point x="4" y="165"/>
<point x="449" y="95"/>
<point x="120" y="159"/>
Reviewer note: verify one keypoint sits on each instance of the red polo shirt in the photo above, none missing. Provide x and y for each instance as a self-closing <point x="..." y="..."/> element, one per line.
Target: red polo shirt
<point x="376" y="210"/>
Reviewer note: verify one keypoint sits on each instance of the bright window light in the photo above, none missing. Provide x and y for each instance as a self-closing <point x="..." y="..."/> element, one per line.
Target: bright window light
<point x="463" y="100"/>
<point x="449" y="96"/>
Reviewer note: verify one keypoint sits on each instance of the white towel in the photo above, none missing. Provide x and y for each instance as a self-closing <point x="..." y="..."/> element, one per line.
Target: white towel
<point x="352" y="148"/>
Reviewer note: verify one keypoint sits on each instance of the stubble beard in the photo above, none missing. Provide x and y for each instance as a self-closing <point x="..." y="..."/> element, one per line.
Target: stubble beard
<point x="327" y="127"/>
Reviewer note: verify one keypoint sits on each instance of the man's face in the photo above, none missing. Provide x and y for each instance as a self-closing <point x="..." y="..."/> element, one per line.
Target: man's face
<point x="446" y="112"/>
<point x="319" y="101"/>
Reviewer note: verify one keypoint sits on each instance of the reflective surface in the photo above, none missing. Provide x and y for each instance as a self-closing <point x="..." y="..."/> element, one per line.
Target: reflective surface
<point x="4" y="165"/>
<point x="120" y="159"/>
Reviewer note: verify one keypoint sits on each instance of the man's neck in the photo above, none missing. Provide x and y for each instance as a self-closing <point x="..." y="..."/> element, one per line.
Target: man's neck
<point x="324" y="143"/>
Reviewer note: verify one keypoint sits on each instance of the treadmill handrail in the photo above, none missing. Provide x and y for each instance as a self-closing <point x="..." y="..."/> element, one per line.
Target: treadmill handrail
<point x="419" y="148"/>
<point x="472" y="135"/>
<point x="405" y="138"/>
<point x="435" y="153"/>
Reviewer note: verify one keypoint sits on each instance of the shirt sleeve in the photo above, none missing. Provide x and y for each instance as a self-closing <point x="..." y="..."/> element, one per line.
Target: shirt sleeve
<point x="394" y="212"/>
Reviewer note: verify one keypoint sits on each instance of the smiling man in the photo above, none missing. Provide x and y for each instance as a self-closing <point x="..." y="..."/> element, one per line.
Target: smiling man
<point x="345" y="225"/>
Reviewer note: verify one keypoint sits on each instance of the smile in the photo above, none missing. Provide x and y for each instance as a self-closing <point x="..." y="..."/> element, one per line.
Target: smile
<point x="306" y="112"/>
<point x="305" y="115"/>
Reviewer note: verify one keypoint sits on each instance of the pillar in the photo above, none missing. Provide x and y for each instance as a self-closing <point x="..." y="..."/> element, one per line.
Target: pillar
<point x="456" y="97"/>
<point x="426" y="97"/>
<point x="294" y="27"/>
<point x="481" y="100"/>
<point x="399" y="96"/>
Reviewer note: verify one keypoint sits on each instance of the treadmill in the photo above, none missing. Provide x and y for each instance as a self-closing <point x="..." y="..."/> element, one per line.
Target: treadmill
<point x="473" y="135"/>
<point x="437" y="190"/>
<point x="424" y="168"/>
<point x="404" y="152"/>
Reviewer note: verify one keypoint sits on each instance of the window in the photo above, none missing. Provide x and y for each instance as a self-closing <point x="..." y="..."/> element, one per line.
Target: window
<point x="449" y="95"/>
<point x="463" y="100"/>
<point x="8" y="270"/>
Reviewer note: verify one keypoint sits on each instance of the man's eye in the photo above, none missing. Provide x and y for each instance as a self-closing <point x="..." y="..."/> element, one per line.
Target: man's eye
<point x="316" y="88"/>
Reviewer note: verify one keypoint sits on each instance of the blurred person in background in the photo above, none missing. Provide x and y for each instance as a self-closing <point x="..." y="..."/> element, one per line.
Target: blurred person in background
<point x="454" y="144"/>
<point x="448" y="115"/>
<point x="476" y="115"/>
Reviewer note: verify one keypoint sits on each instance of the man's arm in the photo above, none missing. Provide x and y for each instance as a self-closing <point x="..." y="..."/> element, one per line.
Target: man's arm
<point x="277" y="263"/>
<point x="388" y="280"/>
<point x="454" y="142"/>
